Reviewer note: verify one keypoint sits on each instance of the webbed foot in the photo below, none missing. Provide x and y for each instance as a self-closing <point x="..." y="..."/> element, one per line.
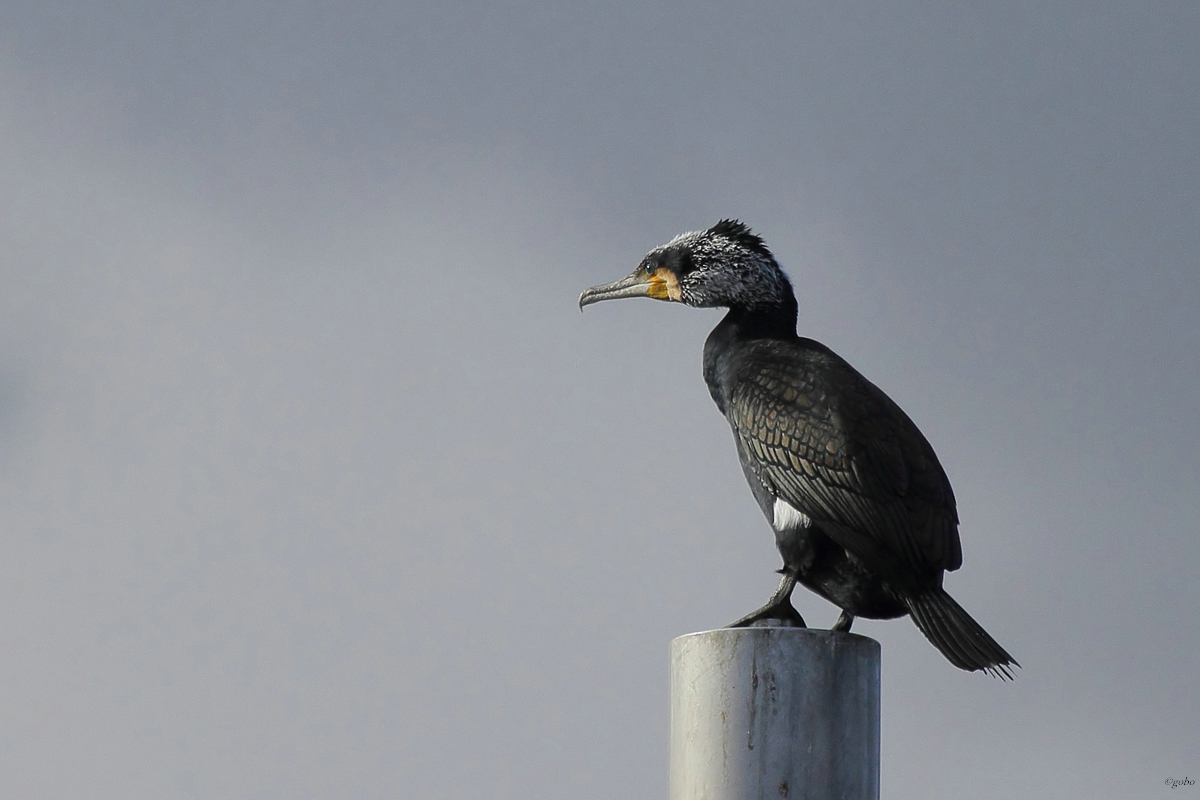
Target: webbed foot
<point x="778" y="612"/>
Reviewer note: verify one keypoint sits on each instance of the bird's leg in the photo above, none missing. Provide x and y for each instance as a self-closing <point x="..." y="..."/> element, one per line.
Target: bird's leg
<point x="844" y="622"/>
<point x="778" y="610"/>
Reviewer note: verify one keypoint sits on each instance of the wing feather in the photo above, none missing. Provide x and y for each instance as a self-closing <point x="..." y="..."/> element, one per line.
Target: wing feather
<point x="834" y="446"/>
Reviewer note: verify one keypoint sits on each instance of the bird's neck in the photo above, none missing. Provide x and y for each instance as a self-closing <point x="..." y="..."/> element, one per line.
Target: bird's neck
<point x="742" y="325"/>
<point x="762" y="322"/>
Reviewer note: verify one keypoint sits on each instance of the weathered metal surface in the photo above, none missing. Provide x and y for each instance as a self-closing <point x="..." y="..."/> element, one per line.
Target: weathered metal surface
<point x="770" y="713"/>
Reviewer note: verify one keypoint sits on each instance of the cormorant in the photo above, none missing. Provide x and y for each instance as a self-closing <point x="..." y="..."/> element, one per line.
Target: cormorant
<point x="862" y="511"/>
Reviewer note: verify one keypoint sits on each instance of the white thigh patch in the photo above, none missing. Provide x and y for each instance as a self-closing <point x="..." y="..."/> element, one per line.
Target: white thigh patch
<point x="788" y="516"/>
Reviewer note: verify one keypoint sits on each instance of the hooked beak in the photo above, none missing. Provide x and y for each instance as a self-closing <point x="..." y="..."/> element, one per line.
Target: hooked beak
<point x="660" y="285"/>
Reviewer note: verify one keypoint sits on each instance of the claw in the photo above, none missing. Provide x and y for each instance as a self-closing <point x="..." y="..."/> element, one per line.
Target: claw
<point x="778" y="610"/>
<point x="783" y="615"/>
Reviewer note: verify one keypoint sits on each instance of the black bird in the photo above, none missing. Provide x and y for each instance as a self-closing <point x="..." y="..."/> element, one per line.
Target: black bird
<point x="862" y="511"/>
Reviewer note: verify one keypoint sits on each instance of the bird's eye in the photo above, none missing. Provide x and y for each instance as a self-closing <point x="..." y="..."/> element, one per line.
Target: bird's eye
<point x="649" y="267"/>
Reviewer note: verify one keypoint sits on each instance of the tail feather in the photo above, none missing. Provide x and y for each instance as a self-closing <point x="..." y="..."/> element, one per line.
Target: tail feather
<point x="959" y="638"/>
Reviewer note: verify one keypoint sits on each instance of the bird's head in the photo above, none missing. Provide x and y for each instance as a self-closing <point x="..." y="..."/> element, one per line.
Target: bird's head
<point x="726" y="265"/>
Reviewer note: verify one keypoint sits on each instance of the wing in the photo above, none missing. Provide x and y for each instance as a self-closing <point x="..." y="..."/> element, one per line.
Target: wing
<point x="832" y="444"/>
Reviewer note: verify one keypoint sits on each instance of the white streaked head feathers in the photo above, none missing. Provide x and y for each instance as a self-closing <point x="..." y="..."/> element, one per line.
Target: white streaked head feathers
<point x="727" y="270"/>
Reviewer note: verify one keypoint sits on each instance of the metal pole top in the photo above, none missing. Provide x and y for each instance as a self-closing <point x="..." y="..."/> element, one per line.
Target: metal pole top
<point x="761" y="713"/>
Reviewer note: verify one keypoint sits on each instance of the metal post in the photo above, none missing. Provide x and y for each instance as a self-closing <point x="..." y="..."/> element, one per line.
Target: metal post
<point x="760" y="713"/>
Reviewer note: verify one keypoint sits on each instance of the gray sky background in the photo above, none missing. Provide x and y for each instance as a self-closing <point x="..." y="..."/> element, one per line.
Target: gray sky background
<point x="315" y="483"/>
